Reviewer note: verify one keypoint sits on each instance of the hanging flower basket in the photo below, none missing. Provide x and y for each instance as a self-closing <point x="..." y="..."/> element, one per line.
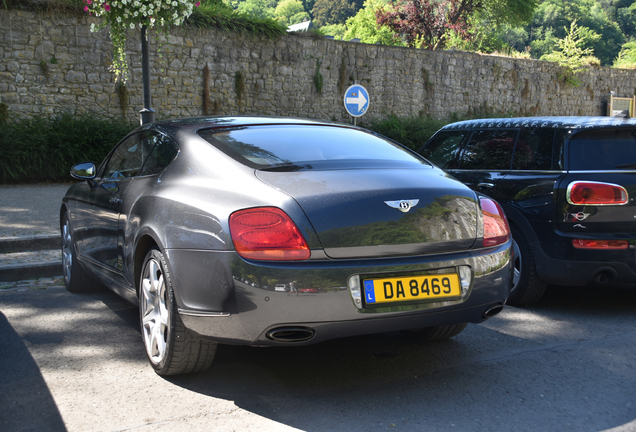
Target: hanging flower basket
<point x="123" y="15"/>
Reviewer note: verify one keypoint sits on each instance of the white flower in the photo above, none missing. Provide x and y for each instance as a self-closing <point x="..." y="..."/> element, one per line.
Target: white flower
<point x="118" y="19"/>
<point x="93" y="28"/>
<point x="132" y="25"/>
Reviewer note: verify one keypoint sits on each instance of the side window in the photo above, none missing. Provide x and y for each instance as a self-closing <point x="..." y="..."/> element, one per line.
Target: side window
<point x="489" y="150"/>
<point x="127" y="158"/>
<point x="441" y="150"/>
<point x="164" y="150"/>
<point x="534" y="149"/>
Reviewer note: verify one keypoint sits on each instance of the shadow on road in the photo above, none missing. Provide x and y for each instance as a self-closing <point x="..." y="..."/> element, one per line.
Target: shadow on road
<point x="22" y="388"/>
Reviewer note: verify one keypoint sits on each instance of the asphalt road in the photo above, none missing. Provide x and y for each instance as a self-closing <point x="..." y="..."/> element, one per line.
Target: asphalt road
<point x="76" y="362"/>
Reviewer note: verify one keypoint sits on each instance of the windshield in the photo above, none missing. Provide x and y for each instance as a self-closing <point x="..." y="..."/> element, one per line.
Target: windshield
<point x="603" y="149"/>
<point x="306" y="146"/>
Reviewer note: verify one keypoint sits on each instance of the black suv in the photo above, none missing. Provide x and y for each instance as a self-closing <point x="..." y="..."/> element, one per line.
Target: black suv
<point x="567" y="185"/>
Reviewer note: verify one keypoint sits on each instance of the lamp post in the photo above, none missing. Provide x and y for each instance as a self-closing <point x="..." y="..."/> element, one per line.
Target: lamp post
<point x="147" y="114"/>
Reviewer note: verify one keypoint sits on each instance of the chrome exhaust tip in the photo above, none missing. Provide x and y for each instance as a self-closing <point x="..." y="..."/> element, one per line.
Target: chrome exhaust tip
<point x="491" y="311"/>
<point x="290" y="334"/>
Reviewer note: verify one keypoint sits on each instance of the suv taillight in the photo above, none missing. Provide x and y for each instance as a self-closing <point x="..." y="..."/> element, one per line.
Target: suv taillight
<point x="595" y="193"/>
<point x="600" y="244"/>
<point x="267" y="233"/>
<point x="496" y="229"/>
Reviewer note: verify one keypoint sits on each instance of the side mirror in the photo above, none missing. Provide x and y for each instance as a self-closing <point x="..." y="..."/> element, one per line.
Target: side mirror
<point x="83" y="171"/>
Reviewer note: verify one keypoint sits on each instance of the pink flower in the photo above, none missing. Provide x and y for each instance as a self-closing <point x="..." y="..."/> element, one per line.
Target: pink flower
<point x="85" y="8"/>
<point x="106" y="7"/>
<point x="197" y="4"/>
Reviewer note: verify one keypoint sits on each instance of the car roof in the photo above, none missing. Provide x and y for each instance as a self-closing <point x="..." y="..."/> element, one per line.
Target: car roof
<point x="193" y="124"/>
<point x="570" y="123"/>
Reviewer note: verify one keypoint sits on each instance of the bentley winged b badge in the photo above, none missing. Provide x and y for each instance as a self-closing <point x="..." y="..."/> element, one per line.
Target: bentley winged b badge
<point x="402" y="205"/>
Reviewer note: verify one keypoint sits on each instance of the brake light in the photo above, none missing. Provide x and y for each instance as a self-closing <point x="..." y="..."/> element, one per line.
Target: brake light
<point x="496" y="229"/>
<point x="600" y="244"/>
<point x="267" y="233"/>
<point x="594" y="193"/>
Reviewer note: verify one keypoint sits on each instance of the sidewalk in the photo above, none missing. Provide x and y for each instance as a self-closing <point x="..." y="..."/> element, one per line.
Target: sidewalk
<point x="29" y="231"/>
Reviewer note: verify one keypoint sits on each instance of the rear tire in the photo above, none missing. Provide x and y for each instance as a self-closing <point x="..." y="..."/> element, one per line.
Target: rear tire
<point x="527" y="288"/>
<point x="76" y="279"/>
<point x="171" y="347"/>
<point x="430" y="334"/>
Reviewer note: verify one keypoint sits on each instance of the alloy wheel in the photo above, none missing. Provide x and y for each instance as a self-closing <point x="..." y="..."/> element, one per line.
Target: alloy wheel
<point x="516" y="276"/>
<point x="67" y="252"/>
<point x="155" y="311"/>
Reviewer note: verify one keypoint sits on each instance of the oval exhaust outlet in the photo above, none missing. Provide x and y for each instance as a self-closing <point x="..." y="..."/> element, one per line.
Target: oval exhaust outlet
<point x="492" y="311"/>
<point x="291" y="334"/>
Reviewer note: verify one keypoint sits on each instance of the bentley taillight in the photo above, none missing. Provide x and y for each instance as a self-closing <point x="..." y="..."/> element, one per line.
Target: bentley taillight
<point x="596" y="193"/>
<point x="267" y="233"/>
<point x="496" y="229"/>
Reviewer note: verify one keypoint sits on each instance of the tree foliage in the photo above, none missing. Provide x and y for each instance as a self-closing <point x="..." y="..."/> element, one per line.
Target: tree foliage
<point x="570" y="52"/>
<point x="363" y="26"/>
<point x="427" y="23"/>
<point x="327" y="12"/>
<point x="286" y="9"/>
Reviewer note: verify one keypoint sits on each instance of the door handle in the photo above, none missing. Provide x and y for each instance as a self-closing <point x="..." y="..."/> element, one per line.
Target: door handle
<point x="485" y="185"/>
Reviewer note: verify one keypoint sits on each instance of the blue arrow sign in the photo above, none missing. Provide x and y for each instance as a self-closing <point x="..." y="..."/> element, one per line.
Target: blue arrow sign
<point x="356" y="100"/>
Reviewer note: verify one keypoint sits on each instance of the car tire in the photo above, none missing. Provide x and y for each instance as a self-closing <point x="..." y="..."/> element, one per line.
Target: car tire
<point x="171" y="347"/>
<point x="76" y="279"/>
<point x="527" y="288"/>
<point x="429" y="334"/>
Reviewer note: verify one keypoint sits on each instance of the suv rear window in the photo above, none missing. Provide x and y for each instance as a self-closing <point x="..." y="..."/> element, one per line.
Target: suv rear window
<point x="603" y="149"/>
<point x="290" y="145"/>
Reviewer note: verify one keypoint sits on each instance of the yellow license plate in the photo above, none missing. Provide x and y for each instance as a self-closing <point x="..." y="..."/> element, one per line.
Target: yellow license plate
<point x="399" y="289"/>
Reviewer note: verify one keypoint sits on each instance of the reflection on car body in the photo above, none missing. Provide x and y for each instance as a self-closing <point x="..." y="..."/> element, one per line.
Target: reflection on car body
<point x="193" y="219"/>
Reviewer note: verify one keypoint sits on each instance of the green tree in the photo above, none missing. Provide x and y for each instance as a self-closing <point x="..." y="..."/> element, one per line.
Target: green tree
<point x="364" y="26"/>
<point x="627" y="57"/>
<point x="571" y="54"/>
<point x="554" y="16"/>
<point x="258" y="8"/>
<point x="327" y="12"/>
<point x="335" y="30"/>
<point x="286" y="9"/>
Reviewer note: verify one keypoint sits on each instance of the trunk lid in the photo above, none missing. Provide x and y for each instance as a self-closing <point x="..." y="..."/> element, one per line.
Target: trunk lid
<point x="359" y="215"/>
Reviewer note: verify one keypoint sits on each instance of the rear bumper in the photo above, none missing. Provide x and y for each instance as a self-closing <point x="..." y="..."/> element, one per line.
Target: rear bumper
<point x="580" y="273"/>
<point x="565" y="265"/>
<point x="229" y="309"/>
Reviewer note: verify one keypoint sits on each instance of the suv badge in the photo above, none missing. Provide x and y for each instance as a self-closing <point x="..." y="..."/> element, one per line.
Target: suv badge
<point x="402" y="205"/>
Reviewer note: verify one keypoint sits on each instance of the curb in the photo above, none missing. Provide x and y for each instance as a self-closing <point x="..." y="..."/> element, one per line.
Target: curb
<point x="19" y="272"/>
<point x="30" y="243"/>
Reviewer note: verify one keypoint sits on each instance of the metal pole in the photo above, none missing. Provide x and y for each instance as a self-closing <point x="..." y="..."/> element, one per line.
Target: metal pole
<point x="147" y="114"/>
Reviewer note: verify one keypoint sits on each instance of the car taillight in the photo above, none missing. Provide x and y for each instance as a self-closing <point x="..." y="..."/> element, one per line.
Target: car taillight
<point x="267" y="233"/>
<point x="600" y="244"/>
<point x="496" y="229"/>
<point x="595" y="193"/>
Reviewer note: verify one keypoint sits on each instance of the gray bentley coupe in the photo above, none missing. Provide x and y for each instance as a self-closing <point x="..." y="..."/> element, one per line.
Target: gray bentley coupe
<point x="269" y="231"/>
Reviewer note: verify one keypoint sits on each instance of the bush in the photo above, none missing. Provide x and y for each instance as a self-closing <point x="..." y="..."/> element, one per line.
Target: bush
<point x="42" y="149"/>
<point x="413" y="132"/>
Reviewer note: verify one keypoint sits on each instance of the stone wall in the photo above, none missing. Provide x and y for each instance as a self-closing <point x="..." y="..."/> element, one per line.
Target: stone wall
<point x="52" y="63"/>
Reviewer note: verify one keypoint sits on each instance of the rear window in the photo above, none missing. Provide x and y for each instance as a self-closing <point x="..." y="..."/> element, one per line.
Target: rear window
<point x="603" y="149"/>
<point x="301" y="145"/>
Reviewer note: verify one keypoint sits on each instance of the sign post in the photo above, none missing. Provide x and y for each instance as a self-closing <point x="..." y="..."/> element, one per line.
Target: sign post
<point x="356" y="101"/>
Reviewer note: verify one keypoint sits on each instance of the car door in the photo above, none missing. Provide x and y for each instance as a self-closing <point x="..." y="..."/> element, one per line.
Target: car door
<point x="108" y="190"/>
<point x="485" y="159"/>
<point x="537" y="164"/>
